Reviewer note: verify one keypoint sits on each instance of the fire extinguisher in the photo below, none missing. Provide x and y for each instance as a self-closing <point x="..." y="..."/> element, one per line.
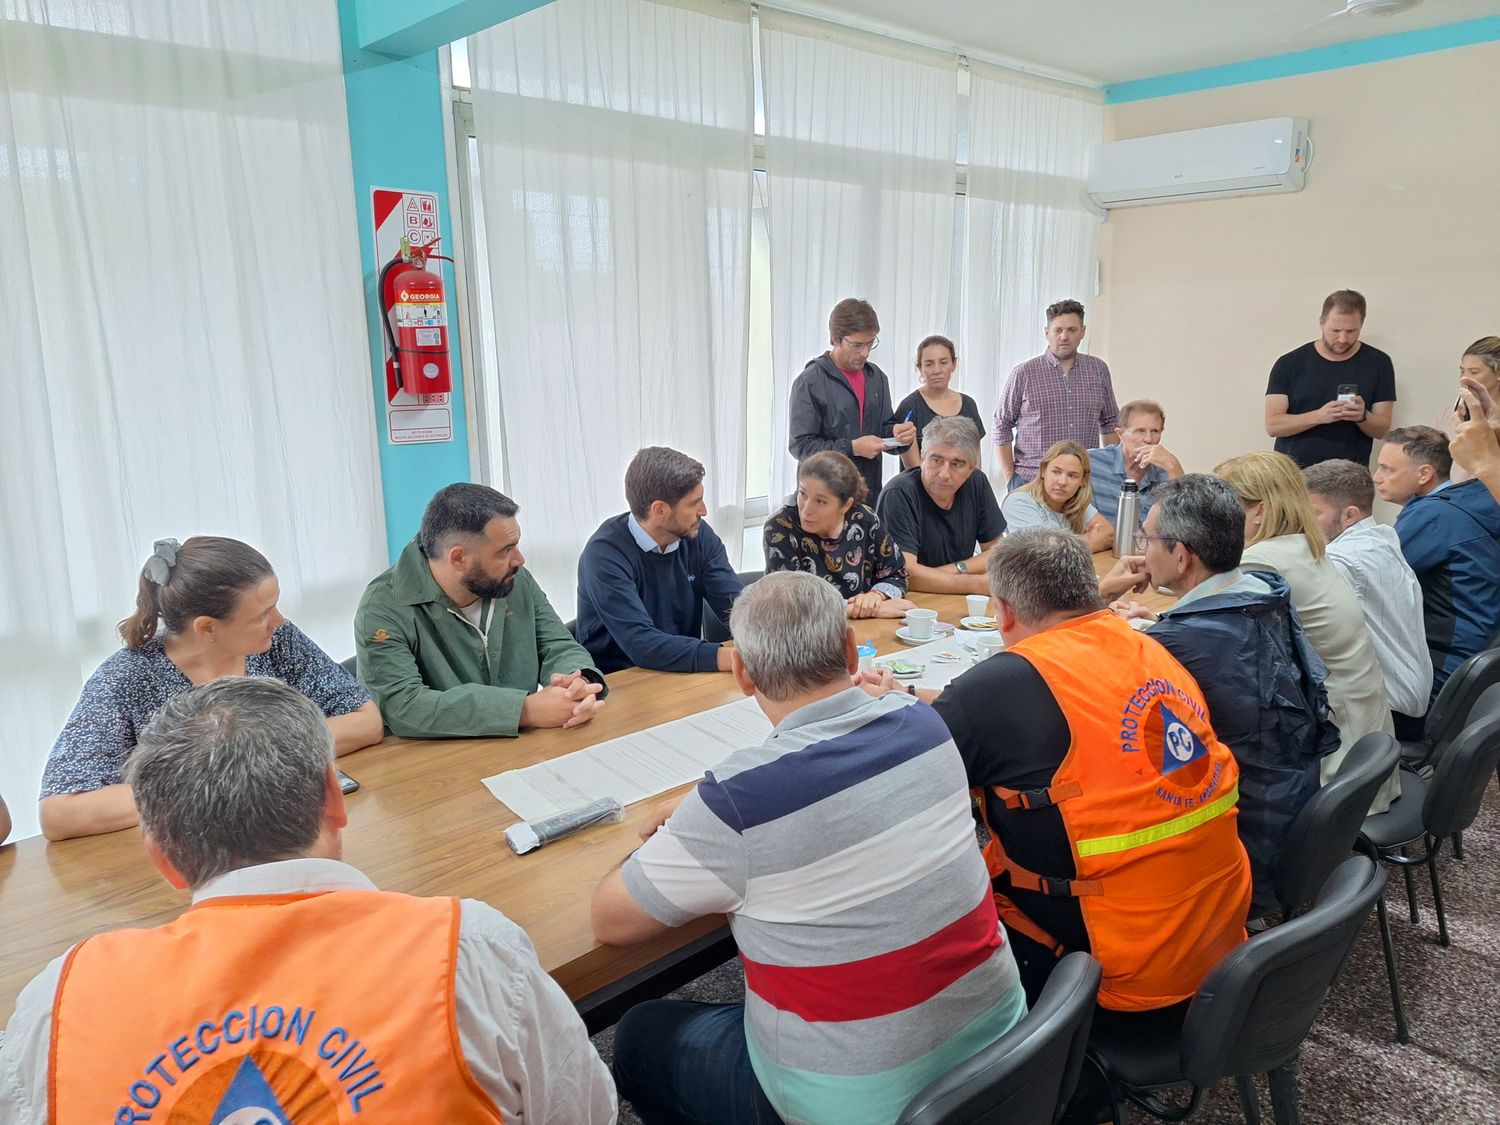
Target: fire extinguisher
<point x="415" y="315"/>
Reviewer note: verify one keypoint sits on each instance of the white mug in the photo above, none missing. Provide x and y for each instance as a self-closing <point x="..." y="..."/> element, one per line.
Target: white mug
<point x="920" y="622"/>
<point x="989" y="644"/>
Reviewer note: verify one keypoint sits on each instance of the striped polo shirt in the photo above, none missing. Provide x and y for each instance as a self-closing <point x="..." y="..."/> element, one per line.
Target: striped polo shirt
<point x="843" y="852"/>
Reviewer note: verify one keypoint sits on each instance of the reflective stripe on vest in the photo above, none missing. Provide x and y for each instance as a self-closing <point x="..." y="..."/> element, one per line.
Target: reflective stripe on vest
<point x="1147" y="796"/>
<point x="323" y="1009"/>
<point x="1176" y="827"/>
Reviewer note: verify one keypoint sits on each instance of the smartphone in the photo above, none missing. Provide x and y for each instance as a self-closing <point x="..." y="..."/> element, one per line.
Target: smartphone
<point x="1348" y="392"/>
<point x="346" y="783"/>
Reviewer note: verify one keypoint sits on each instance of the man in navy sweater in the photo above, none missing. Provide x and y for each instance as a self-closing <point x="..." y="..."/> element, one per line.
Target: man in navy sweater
<point x="643" y="576"/>
<point x="1450" y="534"/>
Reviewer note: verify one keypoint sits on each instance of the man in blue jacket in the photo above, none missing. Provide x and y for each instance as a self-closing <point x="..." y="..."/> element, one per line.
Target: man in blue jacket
<point x="1237" y="633"/>
<point x="643" y="576"/>
<point x="1450" y="534"/>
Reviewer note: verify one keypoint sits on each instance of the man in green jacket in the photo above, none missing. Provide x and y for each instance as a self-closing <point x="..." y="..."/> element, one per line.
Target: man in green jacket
<point x="455" y="639"/>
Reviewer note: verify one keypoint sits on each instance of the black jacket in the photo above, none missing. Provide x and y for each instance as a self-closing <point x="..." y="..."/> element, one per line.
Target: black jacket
<point x="824" y="414"/>
<point x="1264" y="687"/>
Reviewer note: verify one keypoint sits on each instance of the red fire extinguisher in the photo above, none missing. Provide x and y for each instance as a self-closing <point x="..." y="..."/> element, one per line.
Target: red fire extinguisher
<point x="415" y="315"/>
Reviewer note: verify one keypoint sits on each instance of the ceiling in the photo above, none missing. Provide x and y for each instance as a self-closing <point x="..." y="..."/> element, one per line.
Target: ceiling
<point x="1110" y="41"/>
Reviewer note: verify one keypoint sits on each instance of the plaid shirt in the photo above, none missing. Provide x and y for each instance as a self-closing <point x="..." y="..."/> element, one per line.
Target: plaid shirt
<point x="1041" y="406"/>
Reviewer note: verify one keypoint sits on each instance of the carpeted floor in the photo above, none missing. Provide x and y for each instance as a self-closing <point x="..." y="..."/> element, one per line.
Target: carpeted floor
<point x="1352" y="1068"/>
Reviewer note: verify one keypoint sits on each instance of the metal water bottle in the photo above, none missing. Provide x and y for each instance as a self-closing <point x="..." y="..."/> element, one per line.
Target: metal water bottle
<point x="1127" y="519"/>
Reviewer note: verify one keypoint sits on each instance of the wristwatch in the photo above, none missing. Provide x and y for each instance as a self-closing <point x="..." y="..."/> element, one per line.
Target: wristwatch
<point x="961" y="567"/>
<point x="911" y="691"/>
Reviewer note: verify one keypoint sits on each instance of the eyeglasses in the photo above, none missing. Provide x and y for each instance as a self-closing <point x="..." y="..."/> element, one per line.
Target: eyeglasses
<point x="1156" y="539"/>
<point x="870" y="347"/>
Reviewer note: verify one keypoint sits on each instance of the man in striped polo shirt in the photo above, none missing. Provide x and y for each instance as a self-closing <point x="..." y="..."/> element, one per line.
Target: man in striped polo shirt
<point x="843" y="852"/>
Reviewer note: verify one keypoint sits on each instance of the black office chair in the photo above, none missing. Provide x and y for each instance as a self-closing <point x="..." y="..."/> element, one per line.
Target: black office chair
<point x="1327" y="829"/>
<point x="1027" y="1075"/>
<point x="717" y="631"/>
<point x="1426" y="812"/>
<point x="1250" y="1014"/>
<point x="571" y="626"/>
<point x="350" y="664"/>
<point x="1449" y="713"/>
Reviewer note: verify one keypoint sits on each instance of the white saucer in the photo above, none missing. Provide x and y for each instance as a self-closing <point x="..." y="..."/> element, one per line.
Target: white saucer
<point x="906" y="638"/>
<point x="968" y="623"/>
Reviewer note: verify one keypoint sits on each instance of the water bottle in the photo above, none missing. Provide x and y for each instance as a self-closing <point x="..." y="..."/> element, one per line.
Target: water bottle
<point x="1127" y="519"/>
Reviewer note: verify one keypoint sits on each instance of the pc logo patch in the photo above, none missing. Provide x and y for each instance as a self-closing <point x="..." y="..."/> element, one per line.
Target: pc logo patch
<point x="249" y="1100"/>
<point x="1180" y="746"/>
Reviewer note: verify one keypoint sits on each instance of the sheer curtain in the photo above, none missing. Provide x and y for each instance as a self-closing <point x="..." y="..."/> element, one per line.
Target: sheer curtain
<point x="183" y="309"/>
<point x="861" y="140"/>
<point x="615" y="146"/>
<point x="1032" y="238"/>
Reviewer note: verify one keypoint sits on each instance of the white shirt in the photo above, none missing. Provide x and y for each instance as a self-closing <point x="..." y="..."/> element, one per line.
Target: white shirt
<point x="1368" y="555"/>
<point x="519" y="1033"/>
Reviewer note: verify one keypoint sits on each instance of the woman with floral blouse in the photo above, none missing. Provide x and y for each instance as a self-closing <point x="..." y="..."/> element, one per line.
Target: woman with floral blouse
<point x="831" y="532"/>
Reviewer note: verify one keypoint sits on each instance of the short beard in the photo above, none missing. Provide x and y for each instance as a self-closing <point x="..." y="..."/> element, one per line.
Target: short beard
<point x="480" y="584"/>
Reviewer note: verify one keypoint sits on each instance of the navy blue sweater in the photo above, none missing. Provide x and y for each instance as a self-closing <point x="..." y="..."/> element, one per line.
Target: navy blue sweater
<point x="1451" y="538"/>
<point x="645" y="608"/>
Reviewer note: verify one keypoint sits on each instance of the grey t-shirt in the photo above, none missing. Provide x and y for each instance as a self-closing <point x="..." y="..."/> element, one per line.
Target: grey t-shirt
<point x="1022" y="510"/>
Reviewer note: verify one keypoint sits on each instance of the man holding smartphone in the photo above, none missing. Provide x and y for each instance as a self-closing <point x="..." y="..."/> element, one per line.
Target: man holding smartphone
<point x="1332" y="397"/>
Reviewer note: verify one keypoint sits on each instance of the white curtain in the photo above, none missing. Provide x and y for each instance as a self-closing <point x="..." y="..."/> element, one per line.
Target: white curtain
<point x="615" y="146"/>
<point x="861" y="143"/>
<point x="1032" y="238"/>
<point x="185" y="327"/>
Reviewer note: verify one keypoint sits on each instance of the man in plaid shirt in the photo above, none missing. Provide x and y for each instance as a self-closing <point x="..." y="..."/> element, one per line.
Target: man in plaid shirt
<point x="1061" y="395"/>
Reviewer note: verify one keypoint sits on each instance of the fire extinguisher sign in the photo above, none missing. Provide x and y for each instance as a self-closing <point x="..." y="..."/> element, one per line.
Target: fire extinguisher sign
<point x="414" y="317"/>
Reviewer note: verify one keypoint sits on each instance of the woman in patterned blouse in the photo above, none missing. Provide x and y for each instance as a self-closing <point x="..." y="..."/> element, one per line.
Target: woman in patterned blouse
<point x="831" y="532"/>
<point x="216" y="602"/>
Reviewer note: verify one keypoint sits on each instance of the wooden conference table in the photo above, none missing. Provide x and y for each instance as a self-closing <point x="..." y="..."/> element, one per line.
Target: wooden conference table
<point x="424" y="824"/>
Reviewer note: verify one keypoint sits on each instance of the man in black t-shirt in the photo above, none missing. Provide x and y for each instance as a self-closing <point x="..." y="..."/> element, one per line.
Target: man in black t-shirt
<point x="940" y="510"/>
<point x="1332" y="397"/>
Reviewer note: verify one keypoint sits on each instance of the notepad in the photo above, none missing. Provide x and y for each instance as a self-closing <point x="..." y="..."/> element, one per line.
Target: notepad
<point x="635" y="766"/>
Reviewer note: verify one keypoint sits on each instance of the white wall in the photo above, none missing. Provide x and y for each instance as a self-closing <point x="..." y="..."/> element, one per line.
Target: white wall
<point x="1402" y="203"/>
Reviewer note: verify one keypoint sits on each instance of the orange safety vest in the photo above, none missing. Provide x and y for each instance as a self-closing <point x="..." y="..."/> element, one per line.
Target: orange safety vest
<point x="1147" y="796"/>
<point x="273" y="1010"/>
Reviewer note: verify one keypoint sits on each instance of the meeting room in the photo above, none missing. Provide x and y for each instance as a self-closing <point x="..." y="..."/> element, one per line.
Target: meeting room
<point x="645" y="536"/>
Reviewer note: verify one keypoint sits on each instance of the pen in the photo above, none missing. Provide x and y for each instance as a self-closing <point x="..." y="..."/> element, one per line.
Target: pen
<point x="908" y="417"/>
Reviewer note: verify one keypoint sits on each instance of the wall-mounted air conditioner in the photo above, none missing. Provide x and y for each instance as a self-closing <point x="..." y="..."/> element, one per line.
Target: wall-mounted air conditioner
<point x="1248" y="158"/>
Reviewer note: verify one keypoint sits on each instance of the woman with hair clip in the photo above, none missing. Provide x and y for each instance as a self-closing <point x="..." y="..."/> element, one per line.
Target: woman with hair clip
<point x="935" y="398"/>
<point x="830" y="531"/>
<point x="1060" y="496"/>
<point x="215" y="601"/>
<point x="1282" y="535"/>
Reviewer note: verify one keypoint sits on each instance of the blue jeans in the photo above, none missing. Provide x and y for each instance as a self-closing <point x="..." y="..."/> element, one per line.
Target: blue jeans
<point x="679" y="1061"/>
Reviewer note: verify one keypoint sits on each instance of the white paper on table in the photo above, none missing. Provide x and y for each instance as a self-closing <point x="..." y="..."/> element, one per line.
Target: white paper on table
<point x="935" y="675"/>
<point x="634" y="766"/>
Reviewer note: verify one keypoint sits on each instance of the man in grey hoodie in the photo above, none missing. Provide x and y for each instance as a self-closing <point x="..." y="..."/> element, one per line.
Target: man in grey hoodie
<point x="842" y="401"/>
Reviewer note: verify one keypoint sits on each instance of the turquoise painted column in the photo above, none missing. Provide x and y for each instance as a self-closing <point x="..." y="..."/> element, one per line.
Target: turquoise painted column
<point x="396" y="140"/>
<point x="394" y="94"/>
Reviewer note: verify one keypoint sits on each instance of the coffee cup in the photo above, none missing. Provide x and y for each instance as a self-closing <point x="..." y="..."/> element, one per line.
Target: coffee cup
<point x="989" y="644"/>
<point x="920" y="623"/>
<point x="977" y="604"/>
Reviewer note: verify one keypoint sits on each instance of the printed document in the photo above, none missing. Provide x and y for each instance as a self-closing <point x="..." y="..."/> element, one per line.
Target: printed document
<point x="635" y="766"/>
